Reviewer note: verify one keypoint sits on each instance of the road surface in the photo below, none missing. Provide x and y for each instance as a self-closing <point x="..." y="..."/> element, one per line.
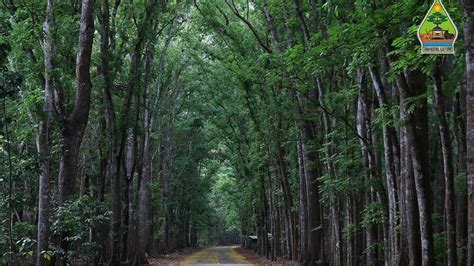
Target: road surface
<point x="215" y="256"/>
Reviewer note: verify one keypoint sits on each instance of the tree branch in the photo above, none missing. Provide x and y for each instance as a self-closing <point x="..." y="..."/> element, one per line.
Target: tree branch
<point x="249" y="25"/>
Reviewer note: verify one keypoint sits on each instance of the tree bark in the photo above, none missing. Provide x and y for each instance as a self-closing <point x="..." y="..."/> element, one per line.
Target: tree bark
<point x="303" y="223"/>
<point x="337" y="256"/>
<point x="411" y="206"/>
<point x="129" y="139"/>
<point x="75" y="124"/>
<point x="391" y="181"/>
<point x="363" y="129"/>
<point x="310" y="160"/>
<point x="111" y="172"/>
<point x="287" y="197"/>
<point x="469" y="36"/>
<point x="42" y="140"/>
<point x="449" y="200"/>
<point x="144" y="194"/>
<point x="461" y="198"/>
<point x="42" y="144"/>
<point x="413" y="85"/>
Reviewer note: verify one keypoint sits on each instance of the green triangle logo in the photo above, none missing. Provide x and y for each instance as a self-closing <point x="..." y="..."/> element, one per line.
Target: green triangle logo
<point x="437" y="33"/>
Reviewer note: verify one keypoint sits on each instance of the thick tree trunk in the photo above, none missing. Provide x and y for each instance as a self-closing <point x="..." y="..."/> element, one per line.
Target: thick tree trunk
<point x="144" y="208"/>
<point x="311" y="167"/>
<point x="74" y="126"/>
<point x="42" y="144"/>
<point x="461" y="198"/>
<point x="303" y="221"/>
<point x="165" y="174"/>
<point x="314" y="212"/>
<point x="273" y="216"/>
<point x="144" y="194"/>
<point x="388" y="136"/>
<point x="111" y="172"/>
<point x="417" y="134"/>
<point x="312" y="171"/>
<point x="264" y="214"/>
<point x="469" y="36"/>
<point x="42" y="140"/>
<point x="166" y="191"/>
<point x="336" y="254"/>
<point x="449" y="197"/>
<point x="130" y="118"/>
<point x="287" y="195"/>
<point x="349" y="219"/>
<point x="411" y="206"/>
<point x="363" y="129"/>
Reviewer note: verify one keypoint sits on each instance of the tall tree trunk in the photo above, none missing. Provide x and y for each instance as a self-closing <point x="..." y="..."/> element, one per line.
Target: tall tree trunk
<point x="303" y="221"/>
<point x="363" y="128"/>
<point x="449" y="201"/>
<point x="111" y="172"/>
<point x="144" y="194"/>
<point x="310" y="159"/>
<point x="314" y="212"/>
<point x="264" y="212"/>
<point x="413" y="85"/>
<point x="75" y="124"/>
<point x="310" y="164"/>
<point x="129" y="140"/>
<point x="469" y="36"/>
<point x="388" y="136"/>
<point x="337" y="256"/>
<point x="411" y="206"/>
<point x="287" y="195"/>
<point x="167" y="160"/>
<point x="165" y="182"/>
<point x="42" y="144"/>
<point x="42" y="140"/>
<point x="461" y="198"/>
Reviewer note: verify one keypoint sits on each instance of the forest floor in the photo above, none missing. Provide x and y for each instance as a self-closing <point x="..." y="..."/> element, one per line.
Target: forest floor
<point x="227" y="255"/>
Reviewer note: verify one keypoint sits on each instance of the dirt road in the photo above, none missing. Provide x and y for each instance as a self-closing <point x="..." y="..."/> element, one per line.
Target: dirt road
<point x="215" y="256"/>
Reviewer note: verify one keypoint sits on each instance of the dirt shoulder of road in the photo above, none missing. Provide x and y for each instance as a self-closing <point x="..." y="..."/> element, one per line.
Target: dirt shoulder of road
<point x="179" y="257"/>
<point x="255" y="259"/>
<point x="173" y="259"/>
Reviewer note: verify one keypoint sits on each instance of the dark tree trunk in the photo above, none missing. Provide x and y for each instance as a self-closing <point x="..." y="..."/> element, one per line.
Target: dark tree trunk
<point x="303" y="221"/>
<point x="75" y="124"/>
<point x="42" y="144"/>
<point x="314" y="212"/>
<point x="287" y="195"/>
<point x="337" y="256"/>
<point x="111" y="171"/>
<point x="144" y="194"/>
<point x="469" y="36"/>
<point x="42" y="140"/>
<point x="388" y="137"/>
<point x="449" y="201"/>
<point x="363" y="129"/>
<point x="461" y="198"/>
<point x="411" y="206"/>
<point x="130" y="118"/>
<point x="413" y="85"/>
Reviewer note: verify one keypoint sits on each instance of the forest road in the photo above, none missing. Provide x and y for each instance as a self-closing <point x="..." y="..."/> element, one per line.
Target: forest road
<point x="225" y="255"/>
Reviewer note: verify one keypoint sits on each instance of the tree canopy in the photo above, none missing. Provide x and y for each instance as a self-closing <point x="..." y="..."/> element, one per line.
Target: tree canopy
<point x="132" y="129"/>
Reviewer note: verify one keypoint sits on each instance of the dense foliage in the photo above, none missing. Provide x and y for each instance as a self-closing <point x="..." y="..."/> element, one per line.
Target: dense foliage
<point x="136" y="128"/>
